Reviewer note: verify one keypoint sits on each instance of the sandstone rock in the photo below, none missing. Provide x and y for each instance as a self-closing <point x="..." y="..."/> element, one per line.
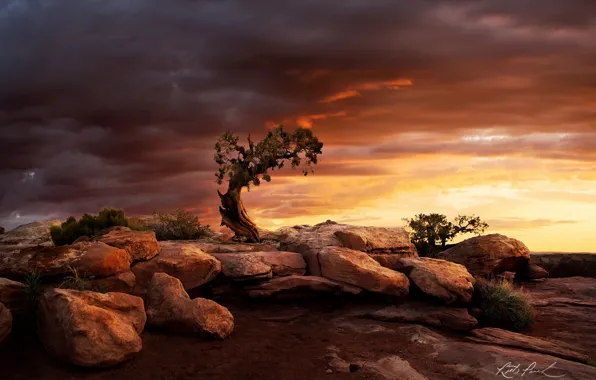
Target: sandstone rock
<point x="283" y="263"/>
<point x="511" y="339"/>
<point x="13" y="294"/>
<point x="170" y="308"/>
<point x="302" y="285"/>
<point x="566" y="264"/>
<point x="214" y="246"/>
<point x="94" y="259"/>
<point x="309" y="240"/>
<point x="243" y="266"/>
<point x="183" y="260"/>
<point x="489" y="254"/>
<point x="140" y="245"/>
<point x="437" y="316"/>
<point x="249" y="265"/>
<point x="488" y="362"/>
<point x="565" y="310"/>
<point x="445" y="280"/>
<point x="121" y="283"/>
<point x="91" y="329"/>
<point x="393" y="368"/>
<point x="29" y="234"/>
<point x="531" y="272"/>
<point x="5" y="322"/>
<point x="359" y="269"/>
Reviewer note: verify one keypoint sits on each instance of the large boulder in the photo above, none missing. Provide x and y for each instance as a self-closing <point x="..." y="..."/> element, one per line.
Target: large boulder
<point x="30" y="234"/>
<point x="357" y="268"/>
<point x="566" y="264"/>
<point x="454" y="318"/>
<point x="121" y="283"/>
<point x="260" y="264"/>
<point x="489" y="254"/>
<point x="297" y="286"/>
<point x="13" y="294"/>
<point x="450" y="282"/>
<point x="5" y="321"/>
<point x="183" y="260"/>
<point x="170" y="308"/>
<point x="140" y="245"/>
<point x="90" y="259"/>
<point x="91" y="329"/>
<point x="309" y="240"/>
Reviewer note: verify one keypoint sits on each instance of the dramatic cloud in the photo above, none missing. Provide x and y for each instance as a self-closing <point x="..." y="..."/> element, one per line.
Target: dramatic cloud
<point x="120" y="102"/>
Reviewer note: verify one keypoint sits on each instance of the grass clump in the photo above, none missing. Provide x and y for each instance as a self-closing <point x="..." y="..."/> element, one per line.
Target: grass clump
<point x="88" y="225"/>
<point x="33" y="289"/>
<point x="503" y="305"/>
<point x="75" y="281"/>
<point x="182" y="225"/>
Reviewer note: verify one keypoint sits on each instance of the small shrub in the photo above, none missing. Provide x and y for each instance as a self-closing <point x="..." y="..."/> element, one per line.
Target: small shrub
<point x="503" y="305"/>
<point x="182" y="225"/>
<point x="88" y="225"/>
<point x="74" y="281"/>
<point x="33" y="289"/>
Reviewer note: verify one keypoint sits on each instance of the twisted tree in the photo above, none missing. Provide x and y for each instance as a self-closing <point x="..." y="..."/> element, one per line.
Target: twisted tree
<point x="244" y="166"/>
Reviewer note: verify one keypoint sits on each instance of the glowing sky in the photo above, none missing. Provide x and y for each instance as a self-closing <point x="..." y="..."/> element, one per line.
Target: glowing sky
<point x="472" y="107"/>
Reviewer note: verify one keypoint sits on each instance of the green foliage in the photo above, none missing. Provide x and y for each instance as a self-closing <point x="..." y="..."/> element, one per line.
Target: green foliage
<point x="431" y="232"/>
<point x="74" y="281"/>
<point x="503" y="305"/>
<point x="244" y="166"/>
<point x="33" y="288"/>
<point x="182" y="225"/>
<point x="88" y="225"/>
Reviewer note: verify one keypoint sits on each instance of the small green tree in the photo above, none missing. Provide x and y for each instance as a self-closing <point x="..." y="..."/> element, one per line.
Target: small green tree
<point x="182" y="225"/>
<point x="431" y="232"/>
<point x="244" y="166"/>
<point x="88" y="225"/>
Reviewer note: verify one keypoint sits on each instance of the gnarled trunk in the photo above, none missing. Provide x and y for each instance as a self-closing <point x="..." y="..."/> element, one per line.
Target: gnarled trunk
<point x="234" y="216"/>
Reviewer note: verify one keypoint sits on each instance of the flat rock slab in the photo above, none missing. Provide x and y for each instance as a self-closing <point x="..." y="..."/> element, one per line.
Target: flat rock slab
<point x="358" y="269"/>
<point x="393" y="368"/>
<point x="35" y="233"/>
<point x="90" y="259"/>
<point x="511" y="339"/>
<point x="183" y="260"/>
<point x="91" y="329"/>
<point x="567" y="264"/>
<point x="437" y="316"/>
<point x="296" y="284"/>
<point x="243" y="266"/>
<point x="489" y="362"/>
<point x="210" y="246"/>
<point x="281" y="263"/>
<point x="140" y="245"/>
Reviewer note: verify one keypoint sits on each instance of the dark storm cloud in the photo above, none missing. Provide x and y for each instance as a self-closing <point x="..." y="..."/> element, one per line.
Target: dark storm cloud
<point x="120" y="101"/>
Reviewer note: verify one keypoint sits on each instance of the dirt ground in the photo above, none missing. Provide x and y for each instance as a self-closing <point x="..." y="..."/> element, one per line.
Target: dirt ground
<point x="290" y="339"/>
<point x="270" y="341"/>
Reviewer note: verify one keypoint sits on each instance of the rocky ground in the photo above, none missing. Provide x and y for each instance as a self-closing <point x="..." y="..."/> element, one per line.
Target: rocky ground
<point x="323" y="339"/>
<point x="310" y="302"/>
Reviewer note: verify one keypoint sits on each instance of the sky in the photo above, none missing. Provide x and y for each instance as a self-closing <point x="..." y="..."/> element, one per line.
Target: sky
<point x="455" y="107"/>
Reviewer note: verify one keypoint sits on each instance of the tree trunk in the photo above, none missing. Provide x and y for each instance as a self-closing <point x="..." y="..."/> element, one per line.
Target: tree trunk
<point x="234" y="216"/>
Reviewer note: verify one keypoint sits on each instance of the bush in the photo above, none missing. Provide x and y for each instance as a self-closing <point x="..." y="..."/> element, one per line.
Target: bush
<point x="88" y="225"/>
<point x="182" y="225"/>
<point x="503" y="305"/>
<point x="33" y="289"/>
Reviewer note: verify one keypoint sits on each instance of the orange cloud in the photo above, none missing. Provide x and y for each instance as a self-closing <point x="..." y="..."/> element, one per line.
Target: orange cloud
<point x="392" y="84"/>
<point x="340" y="96"/>
<point x="307" y="121"/>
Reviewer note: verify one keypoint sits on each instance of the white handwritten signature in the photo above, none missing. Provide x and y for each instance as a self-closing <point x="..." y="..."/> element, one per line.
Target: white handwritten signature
<point x="510" y="370"/>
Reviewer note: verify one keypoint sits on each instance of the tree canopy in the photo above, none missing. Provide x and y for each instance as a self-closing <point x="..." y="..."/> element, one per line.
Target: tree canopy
<point x="429" y="231"/>
<point x="246" y="165"/>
